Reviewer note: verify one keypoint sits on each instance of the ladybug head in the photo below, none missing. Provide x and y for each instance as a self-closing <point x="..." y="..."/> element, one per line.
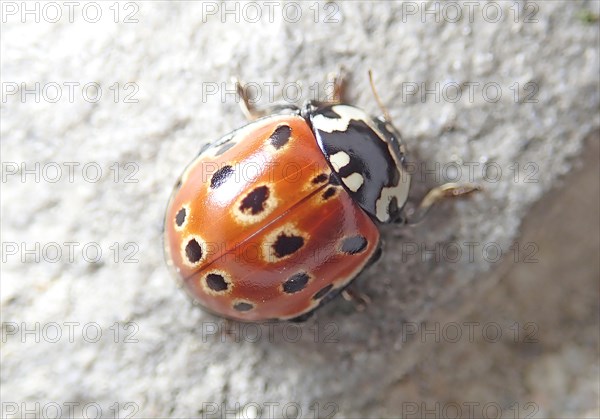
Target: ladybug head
<point x="367" y="155"/>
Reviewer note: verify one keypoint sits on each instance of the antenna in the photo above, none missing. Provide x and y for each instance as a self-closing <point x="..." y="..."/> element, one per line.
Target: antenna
<point x="386" y="114"/>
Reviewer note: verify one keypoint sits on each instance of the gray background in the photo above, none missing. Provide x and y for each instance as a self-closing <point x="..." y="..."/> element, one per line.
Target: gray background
<point x="378" y="362"/>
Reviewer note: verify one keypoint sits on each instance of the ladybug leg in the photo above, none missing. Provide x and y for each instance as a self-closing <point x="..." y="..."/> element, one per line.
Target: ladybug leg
<point x="251" y="112"/>
<point x="248" y="109"/>
<point x="338" y="80"/>
<point x="359" y="299"/>
<point x="226" y="330"/>
<point x="438" y="194"/>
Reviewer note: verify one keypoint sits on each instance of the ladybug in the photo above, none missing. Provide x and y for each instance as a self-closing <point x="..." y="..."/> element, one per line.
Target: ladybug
<point x="276" y="218"/>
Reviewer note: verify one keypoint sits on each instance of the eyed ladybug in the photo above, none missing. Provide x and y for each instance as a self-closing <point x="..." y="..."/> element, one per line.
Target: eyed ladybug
<point x="276" y="218"/>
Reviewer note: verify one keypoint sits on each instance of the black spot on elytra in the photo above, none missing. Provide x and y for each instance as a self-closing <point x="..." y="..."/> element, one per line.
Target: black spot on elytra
<point x="354" y="245"/>
<point x="180" y="217"/>
<point x="320" y="178"/>
<point x="280" y="136"/>
<point x="216" y="282"/>
<point x="193" y="251"/>
<point x="254" y="202"/>
<point x="221" y="176"/>
<point x="286" y="245"/>
<point x="242" y="306"/>
<point x="224" y="148"/>
<point x="295" y="283"/>
<point x="329" y="192"/>
<point x="321" y="293"/>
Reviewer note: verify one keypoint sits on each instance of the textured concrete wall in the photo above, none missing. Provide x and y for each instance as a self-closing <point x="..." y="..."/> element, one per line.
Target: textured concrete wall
<point x="166" y="359"/>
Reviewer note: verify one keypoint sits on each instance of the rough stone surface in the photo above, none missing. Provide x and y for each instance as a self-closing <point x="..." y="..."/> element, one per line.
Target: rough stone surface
<point x="170" y="361"/>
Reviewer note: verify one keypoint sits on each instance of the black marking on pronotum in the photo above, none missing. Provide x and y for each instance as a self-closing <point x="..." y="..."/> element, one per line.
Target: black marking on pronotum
<point x="180" y="217"/>
<point x="320" y="178"/>
<point x="392" y="137"/>
<point x="354" y="245"/>
<point x="321" y="293"/>
<point x="295" y="283"/>
<point x="393" y="207"/>
<point x="286" y="245"/>
<point x="280" y="136"/>
<point x="374" y="153"/>
<point x="220" y="176"/>
<point x="255" y="201"/>
<point x="216" y="282"/>
<point x="329" y="192"/>
<point x="193" y="251"/>
<point x="243" y="306"/>
<point x="329" y="113"/>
